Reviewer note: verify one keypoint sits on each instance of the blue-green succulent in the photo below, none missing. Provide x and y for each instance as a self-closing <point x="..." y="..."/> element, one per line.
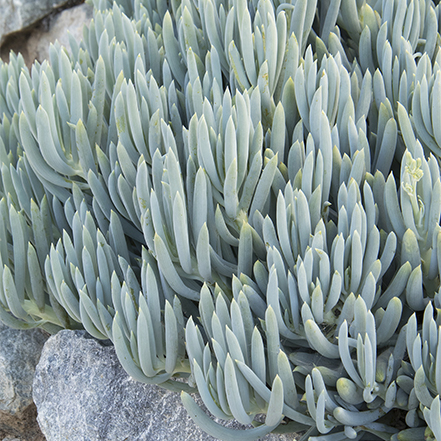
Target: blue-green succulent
<point x="245" y="198"/>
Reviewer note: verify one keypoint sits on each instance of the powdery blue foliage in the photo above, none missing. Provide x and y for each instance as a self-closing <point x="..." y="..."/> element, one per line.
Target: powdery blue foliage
<point x="243" y="195"/>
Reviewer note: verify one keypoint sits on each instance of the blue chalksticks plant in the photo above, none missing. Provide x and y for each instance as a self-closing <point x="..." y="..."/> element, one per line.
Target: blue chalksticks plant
<point x="242" y="195"/>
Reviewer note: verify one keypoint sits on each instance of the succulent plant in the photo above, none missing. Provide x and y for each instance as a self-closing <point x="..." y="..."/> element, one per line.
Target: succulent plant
<point x="244" y="197"/>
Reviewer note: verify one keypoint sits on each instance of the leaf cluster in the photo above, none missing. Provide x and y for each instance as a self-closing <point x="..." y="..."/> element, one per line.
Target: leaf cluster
<point x="245" y="198"/>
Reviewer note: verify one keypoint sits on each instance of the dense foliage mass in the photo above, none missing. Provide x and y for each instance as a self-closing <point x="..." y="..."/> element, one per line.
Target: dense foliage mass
<point x="244" y="195"/>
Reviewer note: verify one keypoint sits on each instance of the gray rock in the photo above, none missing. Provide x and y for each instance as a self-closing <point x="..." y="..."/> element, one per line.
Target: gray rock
<point x="19" y="354"/>
<point x="56" y="29"/>
<point x="20" y="14"/>
<point x="34" y="43"/>
<point x="82" y="394"/>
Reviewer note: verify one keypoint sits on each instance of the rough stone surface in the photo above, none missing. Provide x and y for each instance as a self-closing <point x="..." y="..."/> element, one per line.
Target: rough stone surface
<point x="34" y="43"/>
<point x="82" y="393"/>
<point x="20" y="14"/>
<point x="70" y="20"/>
<point x="19" y="354"/>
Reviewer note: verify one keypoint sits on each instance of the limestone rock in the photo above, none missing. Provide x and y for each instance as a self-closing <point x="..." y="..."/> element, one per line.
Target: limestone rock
<point x="19" y="354"/>
<point x="82" y="393"/>
<point x="20" y="14"/>
<point x="34" y="43"/>
<point x="70" y="20"/>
